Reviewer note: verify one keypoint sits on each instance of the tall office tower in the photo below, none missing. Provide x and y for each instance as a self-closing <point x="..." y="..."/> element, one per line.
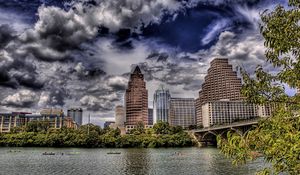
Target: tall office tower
<point x="76" y="114"/>
<point x="120" y="116"/>
<point x="221" y="82"/>
<point x="150" y="116"/>
<point x="136" y="99"/>
<point x="182" y="112"/>
<point x="161" y="104"/>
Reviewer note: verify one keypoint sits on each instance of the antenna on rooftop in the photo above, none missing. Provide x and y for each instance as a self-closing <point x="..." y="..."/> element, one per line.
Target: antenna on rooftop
<point x="89" y="120"/>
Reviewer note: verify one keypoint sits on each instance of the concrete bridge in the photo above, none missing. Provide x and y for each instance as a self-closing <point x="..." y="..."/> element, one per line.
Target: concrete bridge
<point x="208" y="136"/>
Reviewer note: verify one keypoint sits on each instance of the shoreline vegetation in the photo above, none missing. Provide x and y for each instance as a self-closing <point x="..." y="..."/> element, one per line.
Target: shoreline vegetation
<point x="39" y="134"/>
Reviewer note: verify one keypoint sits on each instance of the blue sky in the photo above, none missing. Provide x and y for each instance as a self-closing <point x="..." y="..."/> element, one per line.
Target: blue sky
<point x="57" y="53"/>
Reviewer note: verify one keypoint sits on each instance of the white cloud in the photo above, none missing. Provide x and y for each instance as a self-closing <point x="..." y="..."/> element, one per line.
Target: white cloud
<point x="17" y="23"/>
<point x="21" y="99"/>
<point x="215" y="29"/>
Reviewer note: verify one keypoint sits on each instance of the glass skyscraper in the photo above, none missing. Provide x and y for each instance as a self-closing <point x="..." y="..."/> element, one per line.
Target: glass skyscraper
<point x="161" y="105"/>
<point x="76" y="115"/>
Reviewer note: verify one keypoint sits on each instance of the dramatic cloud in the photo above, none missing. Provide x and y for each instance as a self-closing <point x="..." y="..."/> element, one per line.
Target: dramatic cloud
<point x="246" y="51"/>
<point x="80" y="53"/>
<point x="6" y="35"/>
<point x="59" y="31"/>
<point x="23" y="98"/>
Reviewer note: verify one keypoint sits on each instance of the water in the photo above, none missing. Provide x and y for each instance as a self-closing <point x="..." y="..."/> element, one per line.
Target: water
<point x="162" y="161"/>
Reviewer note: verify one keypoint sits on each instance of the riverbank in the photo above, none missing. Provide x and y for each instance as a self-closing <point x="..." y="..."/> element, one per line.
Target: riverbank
<point x="95" y="137"/>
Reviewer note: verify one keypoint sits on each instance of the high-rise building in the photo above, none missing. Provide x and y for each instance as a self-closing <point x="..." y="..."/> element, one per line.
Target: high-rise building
<point x="150" y="116"/>
<point x="120" y="116"/>
<point x="221" y="82"/>
<point x="226" y="112"/>
<point x="136" y="99"/>
<point x="182" y="112"/>
<point x="161" y="104"/>
<point x="76" y="115"/>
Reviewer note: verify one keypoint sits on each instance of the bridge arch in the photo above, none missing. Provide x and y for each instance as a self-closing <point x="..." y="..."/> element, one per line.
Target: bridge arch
<point x="208" y="133"/>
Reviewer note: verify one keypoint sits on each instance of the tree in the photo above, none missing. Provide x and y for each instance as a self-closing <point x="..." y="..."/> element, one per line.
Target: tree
<point x="161" y="128"/>
<point x="139" y="129"/>
<point x="38" y="126"/>
<point x="277" y="139"/>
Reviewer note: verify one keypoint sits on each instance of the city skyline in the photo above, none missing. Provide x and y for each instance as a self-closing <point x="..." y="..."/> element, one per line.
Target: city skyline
<point x="54" y="56"/>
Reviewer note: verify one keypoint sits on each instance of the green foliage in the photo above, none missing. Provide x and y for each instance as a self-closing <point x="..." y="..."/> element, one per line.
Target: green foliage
<point x="37" y="126"/>
<point x="140" y="129"/>
<point x="161" y="128"/>
<point x="277" y="138"/>
<point x="95" y="137"/>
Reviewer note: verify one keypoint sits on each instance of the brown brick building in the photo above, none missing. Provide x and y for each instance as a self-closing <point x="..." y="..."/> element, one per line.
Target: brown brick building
<point x="136" y="99"/>
<point x="221" y="82"/>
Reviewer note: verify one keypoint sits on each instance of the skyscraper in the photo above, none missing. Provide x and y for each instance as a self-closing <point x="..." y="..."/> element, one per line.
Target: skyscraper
<point x="221" y="82"/>
<point x="136" y="99"/>
<point x="76" y="114"/>
<point x="120" y="116"/>
<point x="182" y="112"/>
<point x="161" y="104"/>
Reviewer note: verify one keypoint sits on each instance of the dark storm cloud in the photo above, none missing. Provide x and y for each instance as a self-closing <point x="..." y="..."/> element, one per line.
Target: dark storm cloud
<point x="6" y="35"/>
<point x="102" y="97"/>
<point x="57" y="62"/>
<point x="56" y="97"/>
<point x="158" y="56"/>
<point x="58" y="32"/>
<point x="199" y="27"/>
<point x="173" y="71"/>
<point x="16" y="71"/>
<point x="28" y="8"/>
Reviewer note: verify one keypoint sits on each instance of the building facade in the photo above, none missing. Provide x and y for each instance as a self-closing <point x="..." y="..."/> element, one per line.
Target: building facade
<point x="76" y="115"/>
<point x="182" y="112"/>
<point x="266" y="110"/>
<point x="150" y="116"/>
<point x="70" y="123"/>
<point x="120" y="116"/>
<point x="161" y="104"/>
<point x="55" y="118"/>
<point x="136" y="99"/>
<point x="221" y="82"/>
<point x="11" y="120"/>
<point x="226" y="112"/>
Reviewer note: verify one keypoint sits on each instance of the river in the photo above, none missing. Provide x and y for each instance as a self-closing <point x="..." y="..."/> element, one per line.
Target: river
<point x="161" y="161"/>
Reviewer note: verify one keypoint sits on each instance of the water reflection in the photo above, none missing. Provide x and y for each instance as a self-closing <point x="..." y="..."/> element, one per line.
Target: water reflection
<point x="136" y="161"/>
<point x="162" y="161"/>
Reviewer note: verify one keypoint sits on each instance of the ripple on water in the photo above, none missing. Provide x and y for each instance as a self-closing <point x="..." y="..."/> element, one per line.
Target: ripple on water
<point x="162" y="161"/>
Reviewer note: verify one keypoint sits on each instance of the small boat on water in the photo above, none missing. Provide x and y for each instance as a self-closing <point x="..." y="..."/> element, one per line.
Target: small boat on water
<point x="73" y="153"/>
<point x="114" y="153"/>
<point x="48" y="154"/>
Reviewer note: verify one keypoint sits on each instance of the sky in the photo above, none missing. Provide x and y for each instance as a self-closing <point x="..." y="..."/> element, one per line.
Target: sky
<point x="80" y="53"/>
